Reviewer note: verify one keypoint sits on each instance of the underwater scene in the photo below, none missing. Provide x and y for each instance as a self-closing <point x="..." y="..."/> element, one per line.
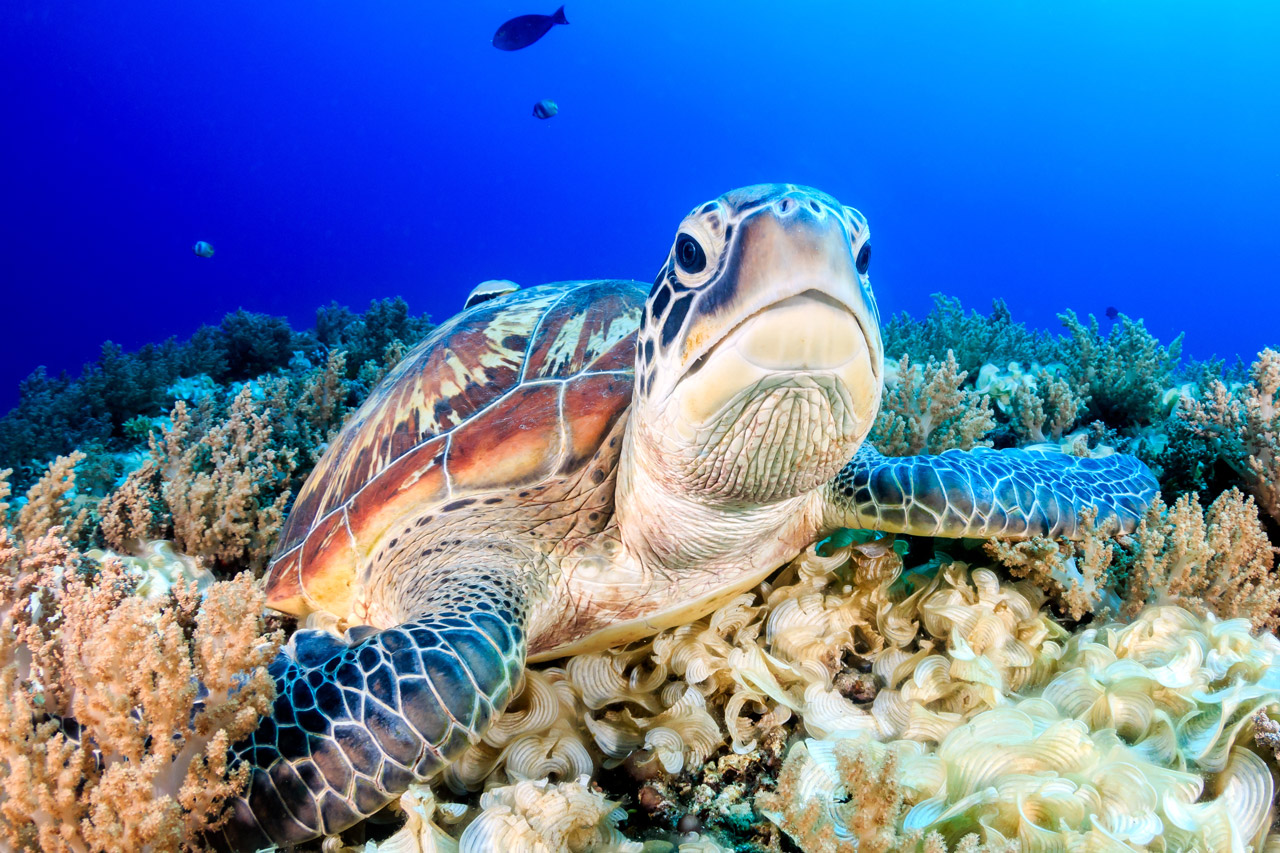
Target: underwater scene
<point x="487" y="427"/>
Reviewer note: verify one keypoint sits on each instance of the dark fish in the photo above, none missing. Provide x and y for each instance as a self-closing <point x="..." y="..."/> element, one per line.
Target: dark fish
<point x="1112" y="313"/>
<point x="545" y="109"/>
<point x="525" y="30"/>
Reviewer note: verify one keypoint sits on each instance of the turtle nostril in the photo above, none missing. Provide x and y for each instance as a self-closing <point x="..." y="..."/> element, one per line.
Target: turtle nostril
<point x="785" y="205"/>
<point x="814" y="205"/>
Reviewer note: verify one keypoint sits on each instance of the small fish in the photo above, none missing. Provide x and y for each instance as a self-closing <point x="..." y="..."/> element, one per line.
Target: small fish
<point x="202" y="249"/>
<point x="545" y="109"/>
<point x="1112" y="313"/>
<point x="492" y="289"/>
<point x="525" y="30"/>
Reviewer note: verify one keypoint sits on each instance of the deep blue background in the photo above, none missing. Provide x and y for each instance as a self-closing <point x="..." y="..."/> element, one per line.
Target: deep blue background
<point x="1057" y="153"/>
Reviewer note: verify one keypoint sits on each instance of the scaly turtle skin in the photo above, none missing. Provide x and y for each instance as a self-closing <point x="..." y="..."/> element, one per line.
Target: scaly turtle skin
<point x="576" y="465"/>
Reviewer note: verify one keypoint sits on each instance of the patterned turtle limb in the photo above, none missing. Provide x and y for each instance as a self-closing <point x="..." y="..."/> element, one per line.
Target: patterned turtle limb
<point x="988" y="493"/>
<point x="358" y="719"/>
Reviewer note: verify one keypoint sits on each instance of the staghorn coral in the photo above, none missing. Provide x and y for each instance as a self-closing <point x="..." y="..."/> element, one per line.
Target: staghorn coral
<point x="1216" y="561"/>
<point x="928" y="410"/>
<point x="1241" y="425"/>
<point x="158" y="688"/>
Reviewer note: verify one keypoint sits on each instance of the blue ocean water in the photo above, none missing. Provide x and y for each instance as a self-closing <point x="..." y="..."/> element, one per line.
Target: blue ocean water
<point x="1054" y="153"/>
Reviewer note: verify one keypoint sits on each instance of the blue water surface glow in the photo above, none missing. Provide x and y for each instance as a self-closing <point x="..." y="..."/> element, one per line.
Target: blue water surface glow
<point x="1055" y="153"/>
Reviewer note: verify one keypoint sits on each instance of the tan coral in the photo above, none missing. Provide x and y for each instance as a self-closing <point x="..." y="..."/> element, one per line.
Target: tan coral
<point x="220" y="487"/>
<point x="1073" y="573"/>
<point x="150" y="770"/>
<point x="135" y="511"/>
<point x="927" y="410"/>
<point x="1217" y="560"/>
<point x="50" y="502"/>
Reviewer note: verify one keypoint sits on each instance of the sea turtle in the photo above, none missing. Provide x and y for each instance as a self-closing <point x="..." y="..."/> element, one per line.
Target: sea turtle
<point x="576" y="465"/>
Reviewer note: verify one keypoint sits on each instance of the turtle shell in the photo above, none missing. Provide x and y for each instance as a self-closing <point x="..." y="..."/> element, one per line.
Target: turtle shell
<point x="513" y="392"/>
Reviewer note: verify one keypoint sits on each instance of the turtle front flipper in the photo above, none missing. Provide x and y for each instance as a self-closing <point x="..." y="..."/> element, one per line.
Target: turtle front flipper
<point x="988" y="493"/>
<point x="357" y="720"/>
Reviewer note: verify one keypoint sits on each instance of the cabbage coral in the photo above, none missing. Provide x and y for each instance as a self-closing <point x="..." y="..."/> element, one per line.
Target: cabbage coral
<point x="1113" y="751"/>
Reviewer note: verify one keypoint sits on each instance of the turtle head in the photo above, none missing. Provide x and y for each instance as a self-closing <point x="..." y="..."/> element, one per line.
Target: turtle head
<point x="759" y="364"/>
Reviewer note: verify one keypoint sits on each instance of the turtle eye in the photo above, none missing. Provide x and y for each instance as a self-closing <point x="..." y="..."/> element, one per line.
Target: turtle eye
<point x="864" y="259"/>
<point x="689" y="254"/>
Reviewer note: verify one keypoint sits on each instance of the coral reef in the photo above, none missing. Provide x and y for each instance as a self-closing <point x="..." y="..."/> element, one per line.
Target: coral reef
<point x="96" y="410"/>
<point x="1040" y="405"/>
<point x="1050" y="695"/>
<point x="119" y="707"/>
<point x="972" y="338"/>
<point x="1124" y="375"/>
<point x="1241" y="425"/>
<point x="928" y="409"/>
<point x="1217" y="560"/>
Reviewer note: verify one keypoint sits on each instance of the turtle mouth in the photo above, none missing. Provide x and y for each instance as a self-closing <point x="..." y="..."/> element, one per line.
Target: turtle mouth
<point x="809" y="332"/>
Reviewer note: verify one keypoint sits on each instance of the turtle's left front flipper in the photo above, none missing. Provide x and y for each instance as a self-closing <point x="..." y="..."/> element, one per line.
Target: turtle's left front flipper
<point x="988" y="493"/>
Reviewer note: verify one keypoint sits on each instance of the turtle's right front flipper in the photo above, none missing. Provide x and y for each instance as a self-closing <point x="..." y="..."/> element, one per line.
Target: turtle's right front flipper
<point x="356" y="722"/>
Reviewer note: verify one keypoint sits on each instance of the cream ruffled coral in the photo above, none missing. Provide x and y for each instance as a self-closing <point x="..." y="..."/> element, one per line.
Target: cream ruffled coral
<point x="1133" y="744"/>
<point x="987" y="724"/>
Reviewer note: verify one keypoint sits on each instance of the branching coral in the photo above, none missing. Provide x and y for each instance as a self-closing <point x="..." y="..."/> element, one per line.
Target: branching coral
<point x="1039" y="404"/>
<point x="928" y="410"/>
<point x="1242" y="426"/>
<point x="118" y="393"/>
<point x="1216" y="561"/>
<point x="51" y="502"/>
<point x="1124" y="374"/>
<point x="136" y="511"/>
<point x="157" y="688"/>
<point x="1074" y="574"/>
<point x="973" y="338"/>
<point x="224" y="489"/>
